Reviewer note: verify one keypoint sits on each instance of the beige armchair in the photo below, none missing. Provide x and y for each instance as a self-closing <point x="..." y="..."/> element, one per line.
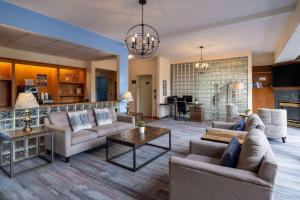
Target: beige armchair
<point x="275" y="121"/>
<point x="253" y="122"/>
<point x="199" y="175"/>
<point x="232" y="113"/>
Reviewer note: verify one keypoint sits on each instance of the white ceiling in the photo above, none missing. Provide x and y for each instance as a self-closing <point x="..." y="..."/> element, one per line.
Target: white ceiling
<point x="17" y="39"/>
<point x="219" y="25"/>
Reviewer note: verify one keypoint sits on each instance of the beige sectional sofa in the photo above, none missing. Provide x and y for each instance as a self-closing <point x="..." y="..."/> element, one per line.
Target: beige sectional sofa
<point x="200" y="176"/>
<point x="68" y="143"/>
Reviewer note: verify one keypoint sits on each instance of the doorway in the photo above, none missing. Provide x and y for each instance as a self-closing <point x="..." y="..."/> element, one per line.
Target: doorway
<point x="144" y="95"/>
<point x="102" y="88"/>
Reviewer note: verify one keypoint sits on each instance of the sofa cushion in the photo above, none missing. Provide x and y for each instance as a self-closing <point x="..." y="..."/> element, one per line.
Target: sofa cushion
<point x="103" y="116"/>
<point x="122" y="126"/>
<point x="239" y="126"/>
<point x="254" y="122"/>
<point x="59" y="119"/>
<point x="79" y="120"/>
<point x="203" y="159"/>
<point x="253" y="150"/>
<point x="83" y="136"/>
<point x="105" y="130"/>
<point x="230" y="156"/>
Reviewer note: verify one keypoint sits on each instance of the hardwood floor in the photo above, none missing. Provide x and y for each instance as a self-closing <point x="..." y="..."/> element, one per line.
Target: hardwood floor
<point x="89" y="176"/>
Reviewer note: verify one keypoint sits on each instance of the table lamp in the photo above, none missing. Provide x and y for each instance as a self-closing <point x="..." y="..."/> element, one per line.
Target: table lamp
<point x="26" y="101"/>
<point x="127" y="97"/>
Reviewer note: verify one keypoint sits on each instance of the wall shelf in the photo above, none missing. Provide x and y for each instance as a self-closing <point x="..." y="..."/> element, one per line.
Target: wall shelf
<point x="61" y="80"/>
<point x="73" y="83"/>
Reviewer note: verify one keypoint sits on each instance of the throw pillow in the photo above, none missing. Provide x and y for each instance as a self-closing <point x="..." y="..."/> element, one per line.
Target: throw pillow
<point x="231" y="155"/>
<point x="103" y="116"/>
<point x="253" y="150"/>
<point x="239" y="126"/>
<point x="113" y="114"/>
<point x="79" y="120"/>
<point x="254" y="122"/>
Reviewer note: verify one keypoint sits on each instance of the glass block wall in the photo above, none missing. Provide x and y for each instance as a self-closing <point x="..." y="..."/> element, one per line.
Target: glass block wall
<point x="207" y="87"/>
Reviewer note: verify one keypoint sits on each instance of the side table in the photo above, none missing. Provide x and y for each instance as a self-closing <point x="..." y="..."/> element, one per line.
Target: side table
<point x="17" y="135"/>
<point x="138" y="116"/>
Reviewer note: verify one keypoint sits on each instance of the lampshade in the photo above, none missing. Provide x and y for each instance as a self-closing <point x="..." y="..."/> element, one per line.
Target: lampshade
<point x="237" y="86"/>
<point x="127" y="96"/>
<point x="26" y="100"/>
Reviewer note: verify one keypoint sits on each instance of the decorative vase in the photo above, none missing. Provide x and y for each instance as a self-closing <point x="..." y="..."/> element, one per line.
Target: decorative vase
<point x="142" y="129"/>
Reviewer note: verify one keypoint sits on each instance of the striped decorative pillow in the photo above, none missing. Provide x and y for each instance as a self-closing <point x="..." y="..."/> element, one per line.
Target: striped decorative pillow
<point x="79" y="120"/>
<point x="103" y="116"/>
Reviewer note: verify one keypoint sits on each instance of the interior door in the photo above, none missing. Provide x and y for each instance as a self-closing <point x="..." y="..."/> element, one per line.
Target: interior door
<point x="146" y="95"/>
<point x="102" y="88"/>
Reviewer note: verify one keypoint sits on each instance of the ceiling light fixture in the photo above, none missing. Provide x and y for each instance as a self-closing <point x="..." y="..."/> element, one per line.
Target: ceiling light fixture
<point x="202" y="65"/>
<point x="142" y="40"/>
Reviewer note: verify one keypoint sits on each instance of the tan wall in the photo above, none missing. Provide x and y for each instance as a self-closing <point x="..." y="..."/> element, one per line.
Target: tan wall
<point x="263" y="59"/>
<point x="164" y="73"/>
<point x="138" y="67"/>
<point x="43" y="58"/>
<point x="108" y="64"/>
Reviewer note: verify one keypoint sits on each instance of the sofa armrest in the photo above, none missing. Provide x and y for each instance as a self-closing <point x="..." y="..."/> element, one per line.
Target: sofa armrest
<point x="126" y="118"/>
<point x="268" y="169"/>
<point x="207" y="148"/>
<point x="62" y="139"/>
<point x="223" y="125"/>
<point x="192" y="179"/>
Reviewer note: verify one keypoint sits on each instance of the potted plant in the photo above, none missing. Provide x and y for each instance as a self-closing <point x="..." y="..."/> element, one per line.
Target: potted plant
<point x="247" y="111"/>
<point x="141" y="125"/>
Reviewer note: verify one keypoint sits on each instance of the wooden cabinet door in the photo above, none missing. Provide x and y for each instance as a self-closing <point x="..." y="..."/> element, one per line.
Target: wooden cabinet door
<point x="262" y="98"/>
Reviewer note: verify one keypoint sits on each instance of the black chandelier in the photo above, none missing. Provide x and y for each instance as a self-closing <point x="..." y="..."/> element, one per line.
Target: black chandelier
<point x="142" y="40"/>
<point x="202" y="65"/>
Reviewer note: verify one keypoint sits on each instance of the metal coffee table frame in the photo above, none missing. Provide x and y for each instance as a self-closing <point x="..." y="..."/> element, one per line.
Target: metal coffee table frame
<point x="134" y="148"/>
<point x="11" y="164"/>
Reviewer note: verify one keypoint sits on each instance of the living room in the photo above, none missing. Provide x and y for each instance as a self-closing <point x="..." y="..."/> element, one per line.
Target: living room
<point x="149" y="99"/>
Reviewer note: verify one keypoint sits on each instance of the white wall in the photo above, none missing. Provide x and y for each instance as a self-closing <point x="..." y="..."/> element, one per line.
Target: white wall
<point x="288" y="44"/>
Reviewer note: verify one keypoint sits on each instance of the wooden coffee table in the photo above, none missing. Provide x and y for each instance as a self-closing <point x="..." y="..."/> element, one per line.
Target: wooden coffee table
<point x="223" y="136"/>
<point x="134" y="139"/>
